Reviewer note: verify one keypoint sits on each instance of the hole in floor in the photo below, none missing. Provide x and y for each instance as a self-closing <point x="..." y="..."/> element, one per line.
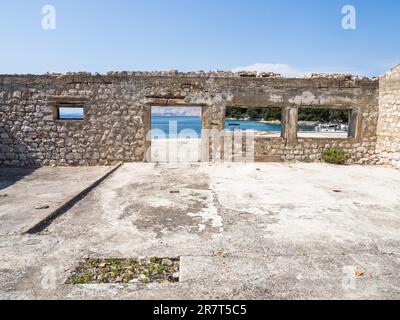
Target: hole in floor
<point x="131" y="270"/>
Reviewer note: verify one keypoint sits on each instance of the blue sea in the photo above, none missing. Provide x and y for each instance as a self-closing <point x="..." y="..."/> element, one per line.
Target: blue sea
<point x="72" y="116"/>
<point x="183" y="123"/>
<point x="251" y="125"/>
<point x="259" y="126"/>
<point x="194" y="123"/>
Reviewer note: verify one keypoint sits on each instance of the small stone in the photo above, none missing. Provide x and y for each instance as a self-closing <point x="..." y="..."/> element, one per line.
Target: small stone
<point x="42" y="207"/>
<point x="299" y="277"/>
<point x="167" y="262"/>
<point x="175" y="276"/>
<point x="134" y="281"/>
<point x="142" y="277"/>
<point x="102" y="265"/>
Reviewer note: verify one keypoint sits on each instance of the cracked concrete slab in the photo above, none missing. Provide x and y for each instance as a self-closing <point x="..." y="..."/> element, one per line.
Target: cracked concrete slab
<point x="262" y="231"/>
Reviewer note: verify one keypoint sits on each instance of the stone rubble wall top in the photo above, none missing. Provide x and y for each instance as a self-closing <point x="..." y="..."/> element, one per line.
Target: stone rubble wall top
<point x="197" y="74"/>
<point x="392" y="73"/>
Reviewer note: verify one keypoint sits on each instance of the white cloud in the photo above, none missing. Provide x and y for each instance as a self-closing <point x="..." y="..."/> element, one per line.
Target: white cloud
<point x="283" y="69"/>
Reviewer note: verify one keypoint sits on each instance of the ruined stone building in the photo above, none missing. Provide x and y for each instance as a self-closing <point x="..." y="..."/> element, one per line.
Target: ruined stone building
<point x="117" y="114"/>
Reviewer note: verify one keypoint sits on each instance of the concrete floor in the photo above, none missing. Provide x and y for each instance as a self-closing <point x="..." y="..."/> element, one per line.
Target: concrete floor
<point x="28" y="196"/>
<point x="176" y="151"/>
<point x="262" y="231"/>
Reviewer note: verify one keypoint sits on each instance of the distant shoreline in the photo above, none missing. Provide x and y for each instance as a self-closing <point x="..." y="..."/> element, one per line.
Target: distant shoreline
<point x="266" y="122"/>
<point x="260" y="121"/>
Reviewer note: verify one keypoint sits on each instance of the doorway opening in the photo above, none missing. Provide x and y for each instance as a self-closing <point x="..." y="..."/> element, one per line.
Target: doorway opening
<point x="176" y="133"/>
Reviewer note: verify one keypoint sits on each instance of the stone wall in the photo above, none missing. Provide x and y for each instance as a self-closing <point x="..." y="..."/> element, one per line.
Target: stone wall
<point x="112" y="130"/>
<point x="336" y="92"/>
<point x="388" y="131"/>
<point x="117" y="113"/>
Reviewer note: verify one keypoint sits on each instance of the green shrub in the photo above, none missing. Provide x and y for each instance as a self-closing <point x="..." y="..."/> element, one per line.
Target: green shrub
<point x="335" y="156"/>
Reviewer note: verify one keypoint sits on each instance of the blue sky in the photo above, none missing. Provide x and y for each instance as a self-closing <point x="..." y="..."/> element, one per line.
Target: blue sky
<point x="294" y="36"/>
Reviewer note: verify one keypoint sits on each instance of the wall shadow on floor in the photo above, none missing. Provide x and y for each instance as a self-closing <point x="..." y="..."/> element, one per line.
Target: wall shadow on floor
<point x="11" y="175"/>
<point x="15" y="160"/>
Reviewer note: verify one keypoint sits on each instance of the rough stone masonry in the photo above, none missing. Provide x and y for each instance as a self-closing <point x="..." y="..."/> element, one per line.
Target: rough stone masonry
<point x="388" y="148"/>
<point x="117" y="114"/>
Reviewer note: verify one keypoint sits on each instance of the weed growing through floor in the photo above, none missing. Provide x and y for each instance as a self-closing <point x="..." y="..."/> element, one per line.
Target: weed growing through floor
<point x="115" y="270"/>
